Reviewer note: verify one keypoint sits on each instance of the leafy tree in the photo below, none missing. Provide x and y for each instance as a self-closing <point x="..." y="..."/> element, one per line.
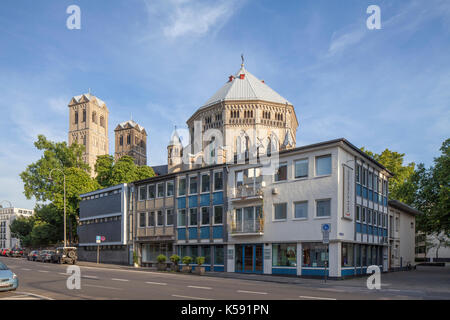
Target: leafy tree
<point x="393" y="161"/>
<point x="103" y="168"/>
<point x="21" y="228"/>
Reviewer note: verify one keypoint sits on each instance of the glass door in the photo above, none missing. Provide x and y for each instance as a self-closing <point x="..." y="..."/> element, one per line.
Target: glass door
<point x="258" y="259"/>
<point x="248" y="258"/>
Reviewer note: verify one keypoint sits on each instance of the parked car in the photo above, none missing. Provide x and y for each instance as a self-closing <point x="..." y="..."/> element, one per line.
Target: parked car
<point x="32" y="256"/>
<point x="43" y="255"/>
<point x="65" y="255"/>
<point x="16" y="253"/>
<point x="8" y="279"/>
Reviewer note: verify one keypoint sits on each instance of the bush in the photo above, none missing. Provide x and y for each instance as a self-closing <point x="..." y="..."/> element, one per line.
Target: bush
<point x="161" y="258"/>
<point x="187" y="260"/>
<point x="175" y="258"/>
<point x="200" y="260"/>
<point x="135" y="257"/>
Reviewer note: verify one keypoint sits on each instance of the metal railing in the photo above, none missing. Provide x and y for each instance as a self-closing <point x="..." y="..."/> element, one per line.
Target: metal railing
<point x="248" y="226"/>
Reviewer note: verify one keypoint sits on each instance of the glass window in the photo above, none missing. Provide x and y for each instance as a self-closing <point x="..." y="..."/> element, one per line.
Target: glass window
<point x="205" y="182"/>
<point x="284" y="255"/>
<point x="364" y="215"/>
<point x="169" y="188"/>
<point x="205" y="215"/>
<point x="182" y="217"/>
<point x="151" y="191"/>
<point x="218" y="255"/>
<point x="358" y="213"/>
<point x="218" y="181"/>
<point x="194" y="253"/>
<point x="160" y="188"/>
<point x="370" y="180"/>
<point x="218" y="215"/>
<point x="358" y="255"/>
<point x="301" y="209"/>
<point x="169" y="217"/>
<point x="205" y="251"/>
<point x="358" y="173"/>
<point x="314" y="254"/>
<point x="323" y="165"/>
<point x="193" y="217"/>
<point x="347" y="255"/>
<point x="142" y="193"/>
<point x="281" y="173"/>
<point x="280" y="211"/>
<point x="369" y="216"/>
<point x="142" y="219"/>
<point x="301" y="168"/>
<point x="160" y="218"/>
<point x="151" y="219"/>
<point x="324" y="208"/>
<point x="193" y="185"/>
<point x="182" y="186"/>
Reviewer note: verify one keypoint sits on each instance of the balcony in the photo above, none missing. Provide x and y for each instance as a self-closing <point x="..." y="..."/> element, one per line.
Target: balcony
<point x="248" y="221"/>
<point x="247" y="192"/>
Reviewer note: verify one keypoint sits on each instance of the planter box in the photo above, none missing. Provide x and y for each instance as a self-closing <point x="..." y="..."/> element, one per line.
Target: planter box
<point x="174" y="267"/>
<point x="199" y="270"/>
<point x="161" y="266"/>
<point x="186" y="269"/>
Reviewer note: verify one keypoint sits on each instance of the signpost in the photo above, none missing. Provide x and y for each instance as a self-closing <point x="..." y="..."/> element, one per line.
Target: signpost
<point x="326" y="227"/>
<point x="99" y="240"/>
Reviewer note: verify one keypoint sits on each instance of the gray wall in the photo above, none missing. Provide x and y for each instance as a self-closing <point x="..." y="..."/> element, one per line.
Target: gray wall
<point x="112" y="230"/>
<point x="100" y="206"/>
<point x="106" y="255"/>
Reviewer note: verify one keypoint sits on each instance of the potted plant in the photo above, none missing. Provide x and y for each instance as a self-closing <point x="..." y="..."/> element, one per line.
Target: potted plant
<point x="200" y="269"/>
<point x="162" y="266"/>
<point x="186" y="261"/>
<point x="175" y="259"/>
<point x="135" y="259"/>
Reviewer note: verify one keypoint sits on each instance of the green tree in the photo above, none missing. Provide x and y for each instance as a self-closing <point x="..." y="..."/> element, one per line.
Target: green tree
<point x="21" y="229"/>
<point x="103" y="168"/>
<point x="393" y="161"/>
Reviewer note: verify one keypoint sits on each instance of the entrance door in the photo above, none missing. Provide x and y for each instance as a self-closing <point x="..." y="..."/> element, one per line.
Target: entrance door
<point x="249" y="258"/>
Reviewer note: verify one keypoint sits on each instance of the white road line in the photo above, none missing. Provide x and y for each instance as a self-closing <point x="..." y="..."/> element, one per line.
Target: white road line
<point x="44" y="271"/>
<point x="65" y="274"/>
<point x="90" y="277"/>
<point x="25" y="269"/>
<point x="36" y="295"/>
<point x="187" y="297"/>
<point x="102" y="287"/>
<point x="114" y="279"/>
<point x="331" y="290"/>
<point x="158" y="283"/>
<point x="316" y="298"/>
<point x="254" y="292"/>
<point x="195" y="287"/>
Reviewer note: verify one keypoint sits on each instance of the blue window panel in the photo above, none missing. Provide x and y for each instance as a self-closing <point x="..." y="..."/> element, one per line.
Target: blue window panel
<point x="193" y="233"/>
<point x="370" y="230"/>
<point x="364" y="228"/>
<point x="219" y="268"/>
<point x="358" y="227"/>
<point x="193" y="201"/>
<point x="358" y="190"/>
<point x="365" y="193"/>
<point x="348" y="272"/>
<point x="358" y="271"/>
<point x="217" y="198"/>
<point x="181" y="203"/>
<point x="181" y="233"/>
<point x="313" y="272"/>
<point x="204" y="233"/>
<point x="284" y="271"/>
<point x="370" y="195"/>
<point x="385" y="233"/>
<point x="218" y="232"/>
<point x="380" y="199"/>
<point x="385" y="201"/>
<point x="204" y="200"/>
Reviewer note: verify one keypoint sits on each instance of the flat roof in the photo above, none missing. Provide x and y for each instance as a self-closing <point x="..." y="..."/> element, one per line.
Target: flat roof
<point x="404" y="207"/>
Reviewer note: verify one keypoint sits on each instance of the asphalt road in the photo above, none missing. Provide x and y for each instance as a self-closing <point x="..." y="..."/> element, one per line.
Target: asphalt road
<point x="39" y="280"/>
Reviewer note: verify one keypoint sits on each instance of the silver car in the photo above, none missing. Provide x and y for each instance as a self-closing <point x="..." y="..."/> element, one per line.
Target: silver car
<point x="8" y="279"/>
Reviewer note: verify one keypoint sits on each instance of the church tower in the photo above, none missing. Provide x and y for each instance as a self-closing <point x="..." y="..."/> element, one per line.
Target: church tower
<point x="88" y="125"/>
<point x="174" y="153"/>
<point x="131" y="140"/>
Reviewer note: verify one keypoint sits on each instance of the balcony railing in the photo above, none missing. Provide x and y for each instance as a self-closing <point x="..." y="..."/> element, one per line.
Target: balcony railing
<point x="248" y="191"/>
<point x="248" y="227"/>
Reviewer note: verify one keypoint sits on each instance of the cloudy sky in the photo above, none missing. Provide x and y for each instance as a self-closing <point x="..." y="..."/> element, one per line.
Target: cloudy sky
<point x="160" y="60"/>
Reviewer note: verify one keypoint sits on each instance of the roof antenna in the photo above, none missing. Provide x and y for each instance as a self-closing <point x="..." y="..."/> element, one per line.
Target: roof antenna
<point x="242" y="58"/>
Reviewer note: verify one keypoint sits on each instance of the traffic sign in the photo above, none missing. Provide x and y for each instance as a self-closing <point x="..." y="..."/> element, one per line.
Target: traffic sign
<point x="103" y="238"/>
<point x="98" y="239"/>
<point x="326" y="227"/>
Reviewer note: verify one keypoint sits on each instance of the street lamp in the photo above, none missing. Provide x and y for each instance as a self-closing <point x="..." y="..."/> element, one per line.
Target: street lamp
<point x="10" y="204"/>
<point x="50" y="178"/>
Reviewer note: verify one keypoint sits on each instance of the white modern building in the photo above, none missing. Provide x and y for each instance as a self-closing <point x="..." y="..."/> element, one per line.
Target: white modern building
<point x="7" y="216"/>
<point x="275" y="221"/>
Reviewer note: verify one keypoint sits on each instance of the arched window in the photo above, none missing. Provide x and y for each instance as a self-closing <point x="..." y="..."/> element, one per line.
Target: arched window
<point x="76" y="117"/>
<point x="121" y="140"/>
<point x="84" y="115"/>
<point x="102" y="121"/>
<point x="94" y="117"/>
<point x="128" y="139"/>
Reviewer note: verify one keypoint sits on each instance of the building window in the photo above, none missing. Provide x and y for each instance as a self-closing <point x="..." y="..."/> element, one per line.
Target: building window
<point x="323" y="208"/>
<point x="347" y="255"/>
<point x="182" y="217"/>
<point x="218" y="215"/>
<point x="301" y="168"/>
<point x="76" y="117"/>
<point x="182" y="186"/>
<point x="280" y="211"/>
<point x="121" y="140"/>
<point x="205" y="251"/>
<point x="358" y="213"/>
<point x="205" y="216"/>
<point x="142" y="219"/>
<point x="160" y="189"/>
<point x="94" y="117"/>
<point x="193" y="185"/>
<point x="369" y="216"/>
<point x="281" y="173"/>
<point x="323" y="165"/>
<point x="301" y="210"/>
<point x="128" y="139"/>
<point x="151" y="191"/>
<point x="151" y="219"/>
<point x="205" y="183"/>
<point x="102" y="121"/>
<point x="84" y="115"/>
<point x="284" y="255"/>
<point x="358" y="173"/>
<point x="218" y="181"/>
<point x="160" y="219"/>
<point x="169" y="217"/>
<point x="314" y="254"/>
<point x="170" y="190"/>
<point x="218" y="255"/>
<point x="142" y="193"/>
<point x="193" y="217"/>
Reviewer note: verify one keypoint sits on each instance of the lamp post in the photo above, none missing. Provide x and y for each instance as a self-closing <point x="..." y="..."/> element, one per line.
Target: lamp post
<point x="10" y="204"/>
<point x="50" y="178"/>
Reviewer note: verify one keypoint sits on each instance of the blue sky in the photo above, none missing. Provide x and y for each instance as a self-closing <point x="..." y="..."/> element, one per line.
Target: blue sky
<point x="160" y="60"/>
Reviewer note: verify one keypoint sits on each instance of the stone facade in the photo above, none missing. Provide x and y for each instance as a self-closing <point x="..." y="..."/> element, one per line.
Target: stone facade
<point x="88" y="125"/>
<point x="131" y="140"/>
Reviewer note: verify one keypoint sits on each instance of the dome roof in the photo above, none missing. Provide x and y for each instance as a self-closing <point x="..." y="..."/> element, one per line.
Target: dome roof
<point x="245" y="86"/>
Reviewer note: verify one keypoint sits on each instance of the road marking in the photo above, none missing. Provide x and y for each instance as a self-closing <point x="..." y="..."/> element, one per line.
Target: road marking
<point x="114" y="279"/>
<point x="103" y="287"/>
<point x="316" y="298"/>
<point x="90" y="277"/>
<point x="254" y="292"/>
<point x="158" y="283"/>
<point x="195" y="287"/>
<point x="24" y="269"/>
<point x="187" y="297"/>
<point x="36" y="295"/>
<point x="331" y="290"/>
<point x="64" y="274"/>
<point x="45" y="271"/>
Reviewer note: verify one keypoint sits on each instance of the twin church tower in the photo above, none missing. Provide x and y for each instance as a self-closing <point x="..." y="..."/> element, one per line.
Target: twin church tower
<point x="245" y="112"/>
